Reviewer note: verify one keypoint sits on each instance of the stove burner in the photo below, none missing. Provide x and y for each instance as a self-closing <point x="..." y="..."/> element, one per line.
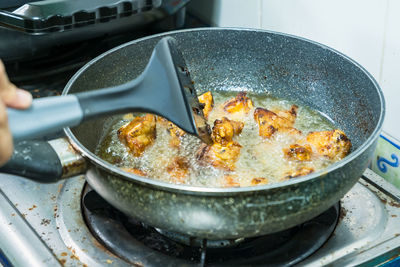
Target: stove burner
<point x="198" y="242"/>
<point x="140" y="244"/>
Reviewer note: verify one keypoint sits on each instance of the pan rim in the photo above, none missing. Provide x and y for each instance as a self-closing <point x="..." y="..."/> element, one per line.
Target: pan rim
<point x="232" y="190"/>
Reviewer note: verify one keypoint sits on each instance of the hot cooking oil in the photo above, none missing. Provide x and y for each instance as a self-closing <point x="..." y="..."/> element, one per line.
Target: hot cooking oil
<point x="258" y="157"/>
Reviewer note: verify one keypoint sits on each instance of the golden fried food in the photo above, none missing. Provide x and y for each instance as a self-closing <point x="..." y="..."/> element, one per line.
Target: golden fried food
<point x="224" y="153"/>
<point x="162" y="121"/>
<point x="289" y="115"/>
<point x="138" y="134"/>
<point x="134" y="171"/>
<point x="230" y="181"/>
<point x="221" y="157"/>
<point x="269" y="150"/>
<point x="175" y="132"/>
<point x="178" y="169"/>
<point x="298" y="152"/>
<point x="259" y="181"/>
<point x="332" y="144"/>
<point x="270" y="122"/>
<point x="207" y="100"/>
<point x="224" y="130"/>
<point x="300" y="171"/>
<point x="241" y="103"/>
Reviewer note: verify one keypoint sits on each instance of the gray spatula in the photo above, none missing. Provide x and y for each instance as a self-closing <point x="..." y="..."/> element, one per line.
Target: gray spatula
<point x="164" y="88"/>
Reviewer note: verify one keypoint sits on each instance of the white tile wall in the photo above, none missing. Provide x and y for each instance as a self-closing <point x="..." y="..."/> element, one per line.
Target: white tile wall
<point x="365" y="30"/>
<point x="230" y="13"/>
<point x="390" y="72"/>
<point x="355" y="27"/>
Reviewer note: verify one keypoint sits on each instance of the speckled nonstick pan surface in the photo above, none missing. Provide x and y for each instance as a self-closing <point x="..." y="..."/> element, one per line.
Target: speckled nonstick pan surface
<point x="238" y="59"/>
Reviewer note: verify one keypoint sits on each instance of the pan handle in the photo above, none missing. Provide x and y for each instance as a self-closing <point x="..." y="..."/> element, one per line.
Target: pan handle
<point x="45" y="162"/>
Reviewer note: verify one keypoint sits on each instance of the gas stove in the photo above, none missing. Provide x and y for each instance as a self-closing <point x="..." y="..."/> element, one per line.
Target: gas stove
<point x="50" y="225"/>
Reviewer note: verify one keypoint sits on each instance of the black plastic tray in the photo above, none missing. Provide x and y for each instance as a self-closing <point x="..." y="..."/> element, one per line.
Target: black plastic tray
<point x="59" y="15"/>
<point x="35" y="28"/>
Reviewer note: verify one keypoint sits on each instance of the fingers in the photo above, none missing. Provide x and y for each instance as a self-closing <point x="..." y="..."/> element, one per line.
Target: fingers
<point x="21" y="100"/>
<point x="6" y="142"/>
<point x="10" y="94"/>
<point x="7" y="89"/>
<point x="7" y="93"/>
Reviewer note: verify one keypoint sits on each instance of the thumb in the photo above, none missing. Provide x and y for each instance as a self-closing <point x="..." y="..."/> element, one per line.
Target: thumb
<point x="10" y="94"/>
<point x="21" y="100"/>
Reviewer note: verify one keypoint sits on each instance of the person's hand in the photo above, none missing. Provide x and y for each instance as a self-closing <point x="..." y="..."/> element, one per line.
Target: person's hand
<point x="10" y="96"/>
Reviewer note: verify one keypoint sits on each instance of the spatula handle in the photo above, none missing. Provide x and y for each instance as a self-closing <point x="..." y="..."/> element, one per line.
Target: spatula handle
<point x="46" y="115"/>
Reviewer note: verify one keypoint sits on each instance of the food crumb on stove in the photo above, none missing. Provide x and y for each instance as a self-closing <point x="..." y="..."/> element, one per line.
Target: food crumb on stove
<point x="343" y="213"/>
<point x="33" y="207"/>
<point x="63" y="254"/>
<point x="394" y="204"/>
<point x="45" y="222"/>
<point x="74" y="257"/>
<point x="109" y="261"/>
<point x="59" y="188"/>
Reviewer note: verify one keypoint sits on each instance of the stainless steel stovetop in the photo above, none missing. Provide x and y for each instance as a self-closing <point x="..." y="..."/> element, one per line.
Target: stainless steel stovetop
<point x="43" y="225"/>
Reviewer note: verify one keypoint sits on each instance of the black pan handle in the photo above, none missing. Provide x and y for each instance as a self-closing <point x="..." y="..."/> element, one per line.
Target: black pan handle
<point x="45" y="162"/>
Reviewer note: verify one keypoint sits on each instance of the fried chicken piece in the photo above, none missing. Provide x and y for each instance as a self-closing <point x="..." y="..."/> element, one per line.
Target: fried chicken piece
<point x="134" y="171"/>
<point x="259" y="181"/>
<point x="290" y="114"/>
<point x="222" y="157"/>
<point x="175" y="132"/>
<point x="270" y="122"/>
<point x="300" y="171"/>
<point x="207" y="100"/>
<point x="138" y="134"/>
<point x="224" y="153"/>
<point x="298" y="152"/>
<point x="162" y="121"/>
<point x="178" y="169"/>
<point x="230" y="181"/>
<point x="332" y="144"/>
<point x="241" y="103"/>
<point x="224" y="130"/>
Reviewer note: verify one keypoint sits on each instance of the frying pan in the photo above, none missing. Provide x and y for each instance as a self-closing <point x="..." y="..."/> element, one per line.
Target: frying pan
<point x="263" y="62"/>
